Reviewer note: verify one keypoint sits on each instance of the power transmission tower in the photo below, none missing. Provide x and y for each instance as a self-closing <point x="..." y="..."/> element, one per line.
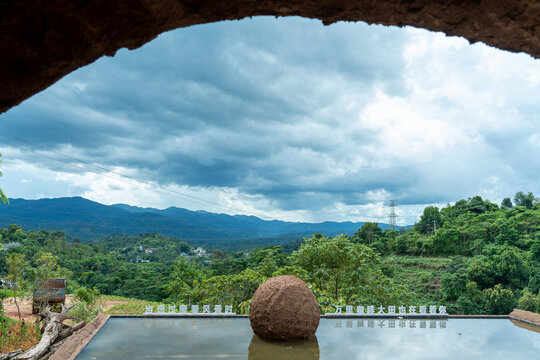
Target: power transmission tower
<point x="392" y="217"/>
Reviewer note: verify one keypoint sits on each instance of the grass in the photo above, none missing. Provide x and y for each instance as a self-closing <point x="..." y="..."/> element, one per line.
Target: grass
<point x="124" y="306"/>
<point x="419" y="275"/>
<point x="15" y="335"/>
<point x="433" y="263"/>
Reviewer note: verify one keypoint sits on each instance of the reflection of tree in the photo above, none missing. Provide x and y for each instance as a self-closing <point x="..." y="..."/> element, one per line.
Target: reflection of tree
<point x="260" y="349"/>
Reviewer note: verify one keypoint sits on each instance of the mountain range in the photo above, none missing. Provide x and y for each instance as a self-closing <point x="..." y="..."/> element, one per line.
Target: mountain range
<point x="85" y="219"/>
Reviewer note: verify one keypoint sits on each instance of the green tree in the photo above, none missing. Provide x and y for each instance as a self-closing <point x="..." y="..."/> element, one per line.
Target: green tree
<point x="368" y="233"/>
<point x="184" y="277"/>
<point x="534" y="281"/>
<point x="453" y="284"/>
<point x="506" y="203"/>
<point x="535" y="247"/>
<point x="498" y="300"/>
<point x="292" y="270"/>
<point x="345" y="270"/>
<point x="510" y="265"/>
<point x="17" y="268"/>
<point x="217" y="255"/>
<point x="47" y="268"/>
<point x="47" y="265"/>
<point x="526" y="200"/>
<point x="482" y="271"/>
<point x="267" y="266"/>
<point x="507" y="235"/>
<point x="86" y="304"/>
<point x="529" y="302"/>
<point x="476" y="205"/>
<point x="471" y="301"/>
<point x="429" y="221"/>
<point x="235" y="289"/>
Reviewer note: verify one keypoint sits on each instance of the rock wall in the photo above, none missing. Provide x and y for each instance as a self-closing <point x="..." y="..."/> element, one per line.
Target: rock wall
<point x="42" y="41"/>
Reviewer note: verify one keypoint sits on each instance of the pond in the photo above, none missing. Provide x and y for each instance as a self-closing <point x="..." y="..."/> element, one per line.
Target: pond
<point x="183" y="338"/>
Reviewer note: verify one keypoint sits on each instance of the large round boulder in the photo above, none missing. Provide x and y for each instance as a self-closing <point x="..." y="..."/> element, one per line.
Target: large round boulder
<point x="284" y="308"/>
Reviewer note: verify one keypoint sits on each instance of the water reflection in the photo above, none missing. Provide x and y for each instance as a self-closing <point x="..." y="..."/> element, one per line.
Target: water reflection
<point x="170" y="323"/>
<point x="260" y="349"/>
<point x="524" y="325"/>
<point x="399" y="323"/>
<point x="341" y="339"/>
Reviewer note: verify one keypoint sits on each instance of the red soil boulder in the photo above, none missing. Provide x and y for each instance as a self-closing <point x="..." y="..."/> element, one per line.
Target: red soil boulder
<point x="284" y="308"/>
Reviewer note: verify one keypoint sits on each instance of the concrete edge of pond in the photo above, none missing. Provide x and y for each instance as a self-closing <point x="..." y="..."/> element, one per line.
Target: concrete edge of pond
<point x="525" y="316"/>
<point x="385" y="316"/>
<point x="340" y="316"/>
<point x="478" y="317"/>
<point x="74" y="344"/>
<point x="183" y="316"/>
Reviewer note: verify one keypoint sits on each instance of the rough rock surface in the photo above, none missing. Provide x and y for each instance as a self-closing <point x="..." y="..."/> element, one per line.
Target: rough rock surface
<point x="76" y="342"/>
<point x="260" y="349"/>
<point x="526" y="316"/>
<point x="42" y="41"/>
<point x="284" y="308"/>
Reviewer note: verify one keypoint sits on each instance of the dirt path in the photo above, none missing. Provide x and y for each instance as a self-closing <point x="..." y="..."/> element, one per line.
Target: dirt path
<point x="26" y="308"/>
<point x="110" y="303"/>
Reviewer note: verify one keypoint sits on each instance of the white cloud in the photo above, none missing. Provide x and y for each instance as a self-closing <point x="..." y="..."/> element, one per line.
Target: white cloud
<point x="313" y="123"/>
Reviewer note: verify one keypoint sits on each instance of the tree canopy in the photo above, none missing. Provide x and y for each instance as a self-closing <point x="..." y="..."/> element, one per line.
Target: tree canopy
<point x="472" y="256"/>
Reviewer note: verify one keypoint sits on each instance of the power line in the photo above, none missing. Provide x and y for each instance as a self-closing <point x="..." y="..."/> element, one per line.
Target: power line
<point x="156" y="187"/>
<point x="134" y="181"/>
<point x="392" y="216"/>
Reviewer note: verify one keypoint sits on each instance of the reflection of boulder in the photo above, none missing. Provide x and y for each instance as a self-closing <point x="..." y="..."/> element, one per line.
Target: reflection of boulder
<point x="284" y="308"/>
<point x="524" y="325"/>
<point x="306" y="349"/>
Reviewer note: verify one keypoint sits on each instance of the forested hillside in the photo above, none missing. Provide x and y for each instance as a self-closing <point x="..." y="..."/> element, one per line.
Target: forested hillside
<point x="84" y="219"/>
<point x="474" y="256"/>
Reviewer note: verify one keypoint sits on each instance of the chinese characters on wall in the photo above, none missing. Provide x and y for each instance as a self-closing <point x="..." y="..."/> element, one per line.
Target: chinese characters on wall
<point x="216" y="310"/>
<point x="371" y="310"/>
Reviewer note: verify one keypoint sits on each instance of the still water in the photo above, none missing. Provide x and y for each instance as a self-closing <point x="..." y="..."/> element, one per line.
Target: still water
<point x="138" y="338"/>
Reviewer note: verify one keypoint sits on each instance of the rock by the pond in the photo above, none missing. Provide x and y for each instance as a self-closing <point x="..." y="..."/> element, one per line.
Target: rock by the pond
<point x="284" y="308"/>
<point x="525" y="316"/>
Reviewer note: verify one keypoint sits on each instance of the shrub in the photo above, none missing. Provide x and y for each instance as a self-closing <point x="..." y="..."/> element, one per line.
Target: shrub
<point x="534" y="282"/>
<point x="2" y="297"/>
<point x="529" y="302"/>
<point x="86" y="305"/>
<point x="498" y="300"/>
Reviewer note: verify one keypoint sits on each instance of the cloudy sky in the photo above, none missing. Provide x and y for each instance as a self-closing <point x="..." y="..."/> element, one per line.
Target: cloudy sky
<point x="284" y="119"/>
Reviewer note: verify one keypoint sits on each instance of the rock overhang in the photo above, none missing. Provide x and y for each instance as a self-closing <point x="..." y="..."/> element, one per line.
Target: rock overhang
<point x="43" y="41"/>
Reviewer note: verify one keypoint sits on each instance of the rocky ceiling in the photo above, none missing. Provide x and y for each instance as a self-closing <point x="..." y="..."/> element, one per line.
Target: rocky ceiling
<point x="43" y="40"/>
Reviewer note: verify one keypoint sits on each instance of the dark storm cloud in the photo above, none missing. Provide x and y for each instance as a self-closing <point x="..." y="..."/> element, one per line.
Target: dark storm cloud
<point x="210" y="105"/>
<point x="277" y="108"/>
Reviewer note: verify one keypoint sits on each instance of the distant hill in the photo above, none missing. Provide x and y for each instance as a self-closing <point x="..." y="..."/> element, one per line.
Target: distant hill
<point x="85" y="219"/>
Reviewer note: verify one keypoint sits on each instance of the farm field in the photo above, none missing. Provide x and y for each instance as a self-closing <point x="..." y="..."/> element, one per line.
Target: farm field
<point x="421" y="276"/>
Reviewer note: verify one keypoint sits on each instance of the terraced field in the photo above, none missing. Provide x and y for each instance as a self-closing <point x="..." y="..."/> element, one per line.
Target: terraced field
<point x="419" y="275"/>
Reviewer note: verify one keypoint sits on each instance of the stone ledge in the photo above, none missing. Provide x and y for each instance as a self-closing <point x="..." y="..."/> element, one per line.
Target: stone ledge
<point x="76" y="342"/>
<point x="525" y="316"/>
